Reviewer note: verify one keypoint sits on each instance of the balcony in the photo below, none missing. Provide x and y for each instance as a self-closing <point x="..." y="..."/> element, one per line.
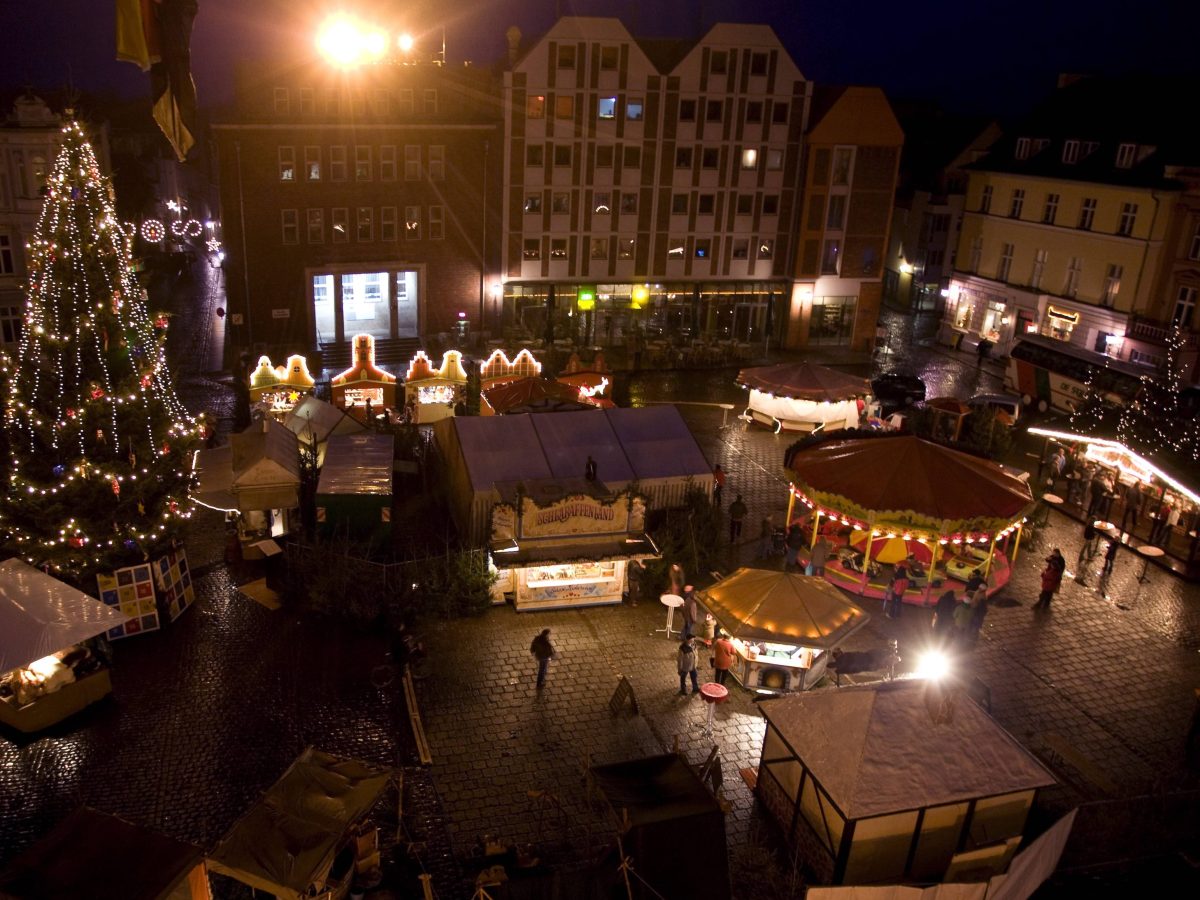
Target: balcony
<point x="1156" y="332"/>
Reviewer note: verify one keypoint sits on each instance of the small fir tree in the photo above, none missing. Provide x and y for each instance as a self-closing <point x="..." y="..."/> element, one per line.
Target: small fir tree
<point x="95" y="436"/>
<point x="1153" y="421"/>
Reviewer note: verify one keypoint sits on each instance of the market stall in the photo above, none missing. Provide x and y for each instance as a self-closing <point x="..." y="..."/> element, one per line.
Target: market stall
<point x="783" y="626"/>
<point x="354" y="492"/>
<point x="529" y="395"/>
<point x="651" y="446"/>
<point x="900" y="486"/>
<point x="559" y="544"/>
<point x="278" y="388"/>
<point x="45" y="673"/>
<point x="948" y="416"/>
<point x="590" y="381"/>
<point x="96" y="856"/>
<point x="304" y="838"/>
<point x="430" y="394"/>
<point x="803" y="397"/>
<point x="314" y="421"/>
<point x="498" y="369"/>
<point x="364" y="390"/>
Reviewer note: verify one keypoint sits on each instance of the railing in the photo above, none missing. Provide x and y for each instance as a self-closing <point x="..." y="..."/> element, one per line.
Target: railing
<point x="1147" y="329"/>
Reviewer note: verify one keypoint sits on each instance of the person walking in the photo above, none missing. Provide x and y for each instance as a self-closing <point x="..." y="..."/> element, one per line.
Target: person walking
<point x="634" y="573"/>
<point x="686" y="663"/>
<point x="979" y="611"/>
<point x="963" y="613"/>
<point x="1110" y="556"/>
<point x="589" y="469"/>
<point x="766" y="531"/>
<point x="820" y="553"/>
<point x="718" y="483"/>
<point x="677" y="579"/>
<point x="1168" y="529"/>
<point x="690" y="611"/>
<point x="793" y="542"/>
<point x="723" y="656"/>
<point x="895" y="595"/>
<point x="737" y="512"/>
<point x="1051" y="578"/>
<point x="943" y="618"/>
<point x="1086" y="551"/>
<point x="1133" y="503"/>
<point x="543" y="651"/>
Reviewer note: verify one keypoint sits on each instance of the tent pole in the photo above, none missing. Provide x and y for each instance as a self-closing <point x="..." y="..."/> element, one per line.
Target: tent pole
<point x="791" y="506"/>
<point x="987" y="569"/>
<point x="1016" y="546"/>
<point x="816" y="527"/>
<point x="867" y="558"/>
<point x="932" y="568"/>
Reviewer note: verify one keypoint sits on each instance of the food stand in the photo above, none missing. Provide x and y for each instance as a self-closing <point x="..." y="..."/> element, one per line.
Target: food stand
<point x="45" y="676"/>
<point x="354" y="492"/>
<point x="803" y="397"/>
<point x="783" y="627"/>
<point x="279" y="388"/>
<point x="364" y="389"/>
<point x="431" y="394"/>
<point x="559" y="544"/>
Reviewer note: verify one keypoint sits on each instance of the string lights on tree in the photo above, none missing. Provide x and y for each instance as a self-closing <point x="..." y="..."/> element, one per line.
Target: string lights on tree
<point x="94" y="433"/>
<point x="1153" y="422"/>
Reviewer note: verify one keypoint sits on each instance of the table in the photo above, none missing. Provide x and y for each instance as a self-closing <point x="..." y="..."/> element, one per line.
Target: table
<point x="1053" y="499"/>
<point x="1149" y="552"/>
<point x="672" y="602"/>
<point x="712" y="694"/>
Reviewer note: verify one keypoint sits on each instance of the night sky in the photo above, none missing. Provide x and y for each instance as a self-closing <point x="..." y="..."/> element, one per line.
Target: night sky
<point x="977" y="56"/>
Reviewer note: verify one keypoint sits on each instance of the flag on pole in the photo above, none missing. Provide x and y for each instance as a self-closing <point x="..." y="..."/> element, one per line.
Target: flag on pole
<point x="156" y="35"/>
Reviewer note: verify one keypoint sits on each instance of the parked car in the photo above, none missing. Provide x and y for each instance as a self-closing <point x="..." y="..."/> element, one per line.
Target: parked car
<point x="1010" y="404"/>
<point x="894" y="389"/>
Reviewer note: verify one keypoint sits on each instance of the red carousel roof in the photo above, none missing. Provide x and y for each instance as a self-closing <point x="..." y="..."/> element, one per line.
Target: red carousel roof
<point x="908" y="473"/>
<point x="804" y="381"/>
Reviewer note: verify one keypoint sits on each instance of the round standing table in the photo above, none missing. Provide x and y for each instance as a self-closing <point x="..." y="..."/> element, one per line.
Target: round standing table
<point x="1148" y="552"/>
<point x="712" y="694"/>
<point x="672" y="602"/>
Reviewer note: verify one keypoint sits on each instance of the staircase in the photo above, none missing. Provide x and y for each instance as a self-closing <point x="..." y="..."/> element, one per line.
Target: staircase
<point x="389" y="353"/>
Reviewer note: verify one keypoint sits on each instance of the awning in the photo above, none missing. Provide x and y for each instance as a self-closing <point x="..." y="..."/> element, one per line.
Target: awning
<point x="804" y="381"/>
<point x="514" y="554"/>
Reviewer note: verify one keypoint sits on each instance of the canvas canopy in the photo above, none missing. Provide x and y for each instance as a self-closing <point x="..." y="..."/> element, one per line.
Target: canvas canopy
<point x="94" y="855"/>
<point x="804" y="381"/>
<point x="764" y="605"/>
<point x="40" y="615"/>
<point x="313" y="420"/>
<point x="858" y="742"/>
<point x="286" y="843"/>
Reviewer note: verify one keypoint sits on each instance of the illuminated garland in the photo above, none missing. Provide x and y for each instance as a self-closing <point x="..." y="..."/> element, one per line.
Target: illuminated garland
<point x="1153" y="422"/>
<point x="96" y="437"/>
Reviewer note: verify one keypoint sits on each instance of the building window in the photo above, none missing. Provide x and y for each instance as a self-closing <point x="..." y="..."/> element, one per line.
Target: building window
<point x="1112" y="284"/>
<point x="770" y="205"/>
<point x="533" y="203"/>
<point x="985" y="199"/>
<point x="404" y="102"/>
<point x="602" y="203"/>
<point x="412" y="162"/>
<point x="626" y="247"/>
<point x="566" y="56"/>
<point x="558" y="248"/>
<point x="749" y="158"/>
<point x="683" y="157"/>
<point x="598" y="248"/>
<point x="1074" y="272"/>
<point x="703" y="248"/>
<point x="710" y="158"/>
<point x="1070" y="152"/>
<point x="1087" y="213"/>
<point x="675" y="247"/>
<point x="430" y="101"/>
<point x="6" y="255"/>
<point x="745" y="204"/>
<point x="836" y="218"/>
<point x="1185" y="305"/>
<point x="1128" y="219"/>
<point x="362" y="162"/>
<point x="312" y="163"/>
<point x="437" y="223"/>
<point x="831" y="257"/>
<point x="842" y="157"/>
<point x="774" y="160"/>
<point x="533" y="155"/>
<point x="560" y="203"/>
<point x="634" y="110"/>
<point x="287" y="163"/>
<point x="337" y="163"/>
<point x="1022" y="151"/>
<point x="766" y="248"/>
<point x="712" y="111"/>
<point x="12" y="318"/>
<point x="387" y="162"/>
<point x="308" y="101"/>
<point x="679" y="205"/>
<point x="629" y="202"/>
<point x="1018" y="204"/>
<point x="754" y="112"/>
<point x="741" y="248"/>
<point x="1194" y="248"/>
<point x="316" y="226"/>
<point x="387" y="223"/>
<point x="687" y="110"/>
<point x="281" y="101"/>
<point x="609" y="57"/>
<point x="366" y="225"/>
<point x="934" y="257"/>
<point x="1050" y="211"/>
<point x="339" y="220"/>
<point x="535" y="106"/>
<point x="604" y="156"/>
<point x="381" y="102"/>
<point x="412" y="223"/>
<point x="606" y="108"/>
<point x="779" y="113"/>
<point x="531" y="248"/>
<point x="758" y="64"/>
<point x="1039" y="269"/>
<point x="562" y="154"/>
<point x="1005" y="265"/>
<point x="437" y="162"/>
<point x="707" y="204"/>
<point x="290" y="219"/>
<point x="564" y="106"/>
<point x="718" y="63"/>
<point x="976" y="253"/>
<point x="1126" y="156"/>
<point x="631" y="157"/>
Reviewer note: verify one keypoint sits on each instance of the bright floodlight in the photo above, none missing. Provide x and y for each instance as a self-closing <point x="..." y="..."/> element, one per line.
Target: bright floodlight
<point x="375" y="44"/>
<point x="933" y="665"/>
<point x="405" y="43"/>
<point x="338" y="40"/>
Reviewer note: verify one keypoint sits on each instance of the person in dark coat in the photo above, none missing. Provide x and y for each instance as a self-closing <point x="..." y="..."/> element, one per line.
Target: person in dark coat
<point x="686" y="663"/>
<point x="793" y="542"/>
<point x="543" y="651"/>
<point x="589" y="469"/>
<point x="943" y="618"/>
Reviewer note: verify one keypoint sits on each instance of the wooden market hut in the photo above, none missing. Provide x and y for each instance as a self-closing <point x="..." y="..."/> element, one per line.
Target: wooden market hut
<point x="364" y="386"/>
<point x="803" y="396"/>
<point x="498" y="369"/>
<point x="431" y="393"/>
<point x="528" y="395"/>
<point x="896" y="782"/>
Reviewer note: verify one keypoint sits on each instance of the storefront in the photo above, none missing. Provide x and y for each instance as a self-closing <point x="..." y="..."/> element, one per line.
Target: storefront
<point x="431" y="394"/>
<point x="279" y="388"/>
<point x="383" y="302"/>
<point x="364" y="390"/>
<point x="559" y="544"/>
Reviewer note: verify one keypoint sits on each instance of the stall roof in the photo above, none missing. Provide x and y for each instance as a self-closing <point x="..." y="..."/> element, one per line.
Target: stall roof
<point x="568" y="439"/>
<point x="92" y="854"/>
<point x="357" y="464"/>
<point x="287" y="841"/>
<point x="804" y="381"/>
<point x="654" y="789"/>
<point x="765" y="605"/>
<point x="535" y="394"/>
<point x="40" y="615"/>
<point x="314" y="419"/>
<point x="658" y="443"/>
<point x="879" y="749"/>
<point x="265" y="454"/>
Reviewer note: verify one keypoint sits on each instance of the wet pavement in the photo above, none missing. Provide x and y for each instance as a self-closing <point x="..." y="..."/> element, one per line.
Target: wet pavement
<point x="210" y="711"/>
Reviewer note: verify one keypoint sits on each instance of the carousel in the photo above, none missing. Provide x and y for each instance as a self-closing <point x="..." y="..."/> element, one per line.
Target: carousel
<point x="803" y="397"/>
<point x="887" y="499"/>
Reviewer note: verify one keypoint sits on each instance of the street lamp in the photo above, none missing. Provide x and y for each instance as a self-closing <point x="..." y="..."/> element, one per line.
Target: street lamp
<point x="347" y="43"/>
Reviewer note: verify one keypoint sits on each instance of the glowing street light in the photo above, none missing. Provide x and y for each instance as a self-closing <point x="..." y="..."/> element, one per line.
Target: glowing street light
<point x="933" y="665"/>
<point x="405" y="43"/>
<point x="346" y="42"/>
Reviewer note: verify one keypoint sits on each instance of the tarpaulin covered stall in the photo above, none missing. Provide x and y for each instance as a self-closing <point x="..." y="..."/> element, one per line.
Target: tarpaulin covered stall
<point x="93" y="855"/>
<point x="314" y="421"/>
<point x="355" y="488"/>
<point x="287" y="842"/>
<point x="803" y="396"/>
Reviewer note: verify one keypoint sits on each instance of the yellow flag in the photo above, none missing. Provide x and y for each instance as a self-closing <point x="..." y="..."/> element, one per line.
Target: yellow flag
<point x="136" y="39"/>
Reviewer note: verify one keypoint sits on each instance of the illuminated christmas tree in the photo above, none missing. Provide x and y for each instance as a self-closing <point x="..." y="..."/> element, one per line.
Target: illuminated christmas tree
<point x="95" y="436"/>
<point x="1153" y="422"/>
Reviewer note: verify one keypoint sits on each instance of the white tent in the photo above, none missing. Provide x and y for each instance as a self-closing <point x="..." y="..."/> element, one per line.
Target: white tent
<point x="314" y="421"/>
<point x="40" y="615"/>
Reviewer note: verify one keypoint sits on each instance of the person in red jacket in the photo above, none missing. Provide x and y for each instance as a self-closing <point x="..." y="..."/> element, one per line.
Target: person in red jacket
<point x="1051" y="578"/>
<point x="723" y="656"/>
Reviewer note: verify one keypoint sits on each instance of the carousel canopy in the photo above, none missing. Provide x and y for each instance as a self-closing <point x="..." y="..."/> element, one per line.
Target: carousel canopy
<point x="905" y="475"/>
<point x="764" y="605"/>
<point x="535" y="394"/>
<point x="804" y="381"/>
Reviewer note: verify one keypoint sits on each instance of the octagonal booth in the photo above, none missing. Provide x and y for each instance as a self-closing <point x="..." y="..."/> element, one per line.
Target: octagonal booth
<point x="803" y="397"/>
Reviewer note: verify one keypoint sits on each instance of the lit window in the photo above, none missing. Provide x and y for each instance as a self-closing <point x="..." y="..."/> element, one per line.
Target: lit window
<point x="564" y="106"/>
<point x="558" y="248"/>
<point x="606" y="108"/>
<point x="703" y="248"/>
<point x="533" y="203"/>
<point x="412" y="223"/>
<point x="749" y="158"/>
<point x="532" y="248"/>
<point x="601" y="203"/>
<point x="312" y="163"/>
<point x="1112" y="284"/>
<point x="626" y="248"/>
<point x="675" y="248"/>
<point x="766" y="248"/>
<point x="633" y="110"/>
<point x="287" y="163"/>
<point x="366" y="225"/>
<point x="535" y="106"/>
<point x="340" y="222"/>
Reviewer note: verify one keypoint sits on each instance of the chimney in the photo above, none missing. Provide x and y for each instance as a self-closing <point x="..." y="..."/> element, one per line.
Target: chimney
<point x="513" y="36"/>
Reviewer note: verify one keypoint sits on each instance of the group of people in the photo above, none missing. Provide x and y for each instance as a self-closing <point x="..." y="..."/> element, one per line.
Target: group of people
<point x="957" y="620"/>
<point x="721" y="661"/>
